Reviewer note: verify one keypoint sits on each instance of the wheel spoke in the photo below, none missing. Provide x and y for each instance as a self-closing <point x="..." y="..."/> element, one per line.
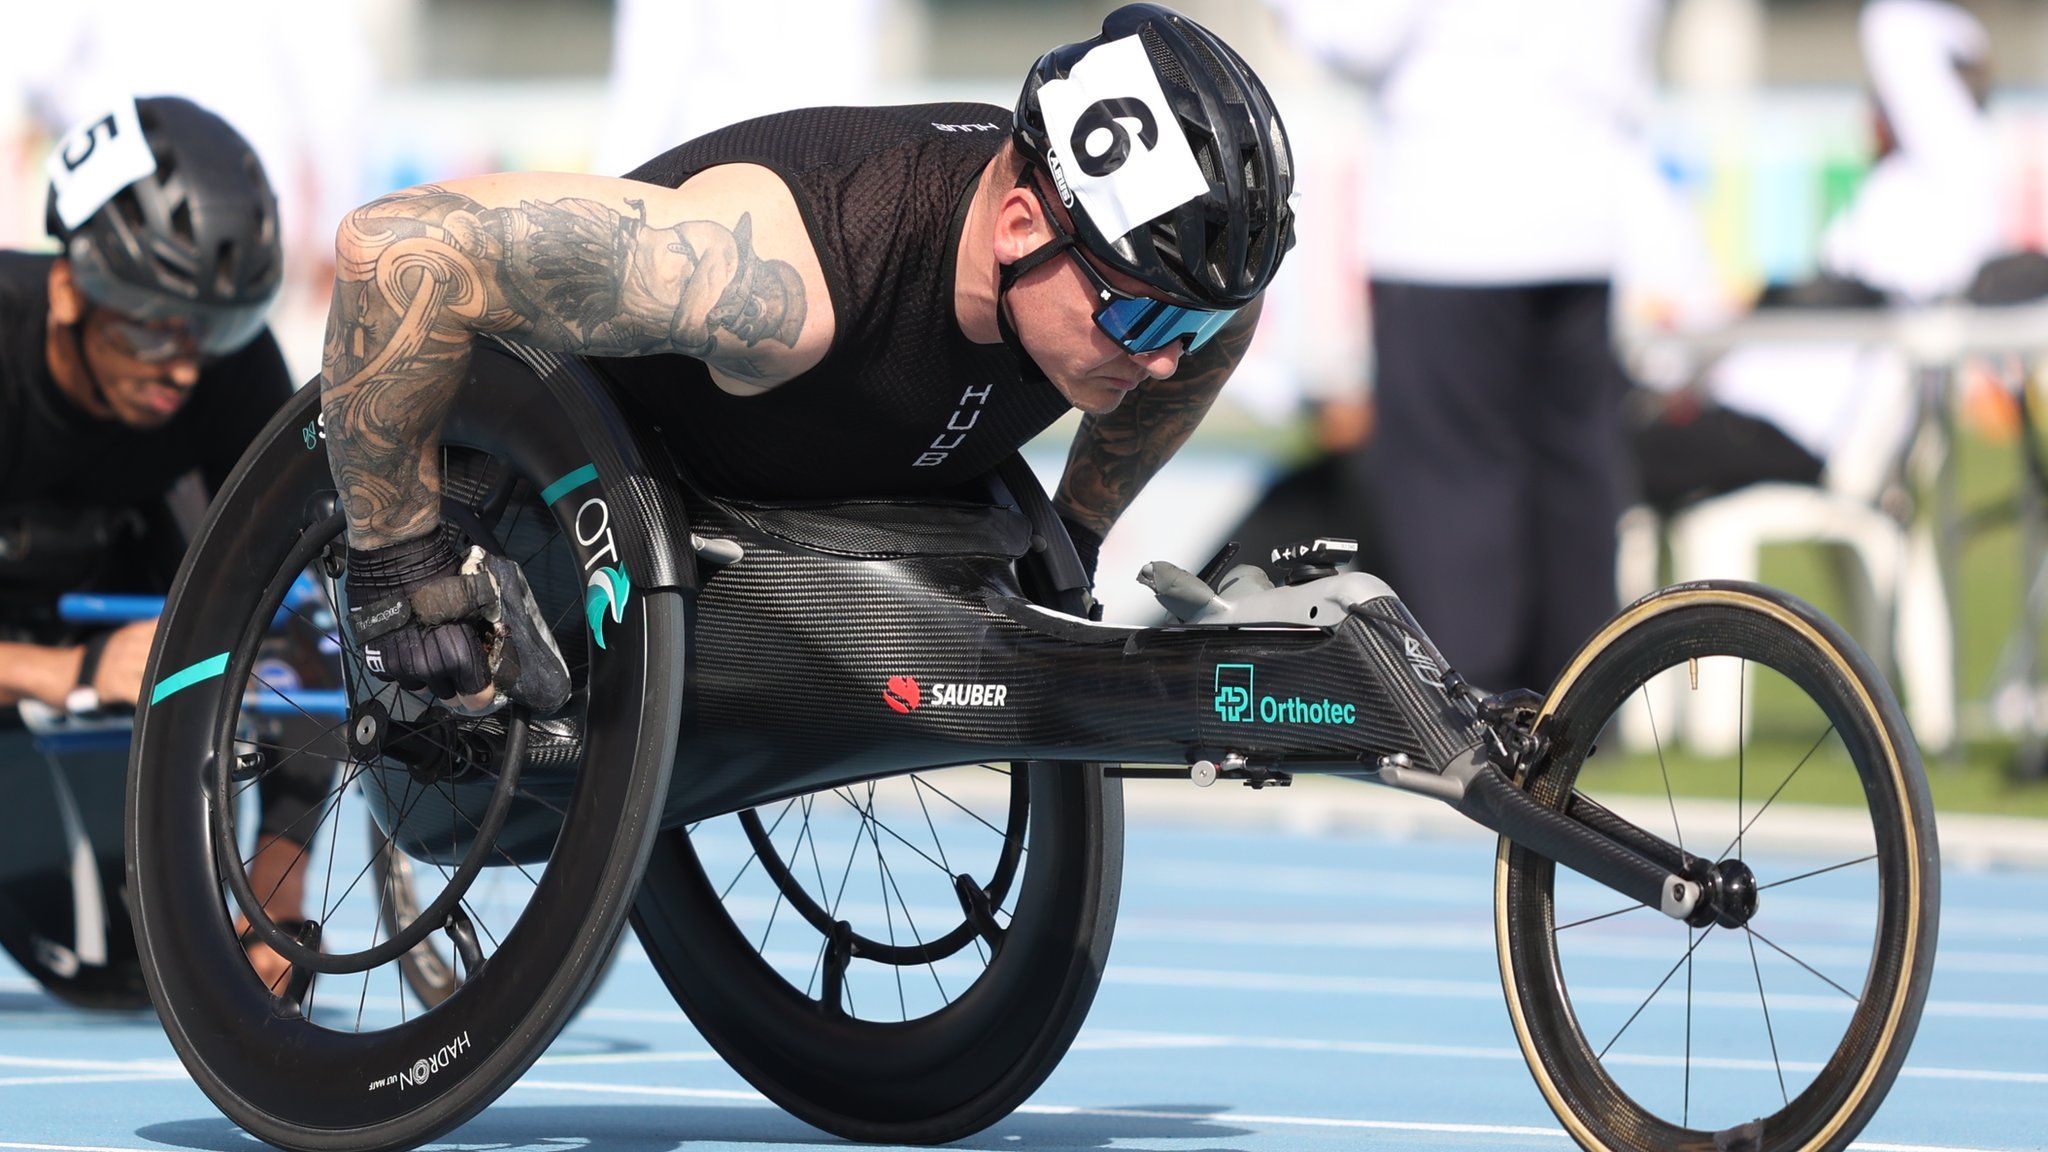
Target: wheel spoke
<point x="1803" y="964"/>
<point x="236" y="794"/>
<point x="889" y="875"/>
<point x="1658" y="741"/>
<point x="1653" y="992"/>
<point x="1819" y="871"/>
<point x="1685" y="1116"/>
<point x="319" y="808"/>
<point x="756" y="853"/>
<point x="1758" y="814"/>
<point x="868" y="816"/>
<point x="882" y="881"/>
<point x="976" y="816"/>
<point x="946" y="863"/>
<point x="1764" y="1000"/>
<point x="1602" y="916"/>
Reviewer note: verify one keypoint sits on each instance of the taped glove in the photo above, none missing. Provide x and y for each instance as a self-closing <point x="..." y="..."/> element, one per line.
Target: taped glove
<point x="429" y="615"/>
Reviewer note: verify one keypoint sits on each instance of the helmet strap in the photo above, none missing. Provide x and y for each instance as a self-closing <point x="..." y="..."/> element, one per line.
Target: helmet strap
<point x="1008" y="275"/>
<point x="92" y="377"/>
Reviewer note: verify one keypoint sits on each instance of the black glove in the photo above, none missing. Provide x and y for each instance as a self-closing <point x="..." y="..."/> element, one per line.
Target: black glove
<point x="1087" y="543"/>
<point x="429" y="614"/>
<point x="445" y="657"/>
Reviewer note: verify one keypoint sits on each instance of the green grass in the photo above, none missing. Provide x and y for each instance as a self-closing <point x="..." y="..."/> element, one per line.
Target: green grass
<point x="1985" y="597"/>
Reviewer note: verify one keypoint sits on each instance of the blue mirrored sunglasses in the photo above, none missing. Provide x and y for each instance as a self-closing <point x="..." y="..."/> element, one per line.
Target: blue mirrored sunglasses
<point x="1143" y="324"/>
<point x="1137" y="323"/>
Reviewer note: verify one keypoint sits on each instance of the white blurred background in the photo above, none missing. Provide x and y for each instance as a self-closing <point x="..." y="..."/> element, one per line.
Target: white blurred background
<point x="1759" y="129"/>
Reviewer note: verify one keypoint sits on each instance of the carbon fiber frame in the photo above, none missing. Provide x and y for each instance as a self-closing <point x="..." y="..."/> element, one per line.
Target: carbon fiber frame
<point x="815" y="666"/>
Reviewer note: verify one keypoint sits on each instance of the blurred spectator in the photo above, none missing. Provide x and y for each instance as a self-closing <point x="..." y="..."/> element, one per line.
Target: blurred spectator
<point x="1919" y="229"/>
<point x="296" y="80"/>
<point x="120" y="374"/>
<point x="824" y="54"/>
<point x="1927" y="217"/>
<point x="1508" y="136"/>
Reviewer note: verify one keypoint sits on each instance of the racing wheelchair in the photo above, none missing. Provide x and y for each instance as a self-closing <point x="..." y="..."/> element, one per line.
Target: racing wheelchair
<point x="775" y="701"/>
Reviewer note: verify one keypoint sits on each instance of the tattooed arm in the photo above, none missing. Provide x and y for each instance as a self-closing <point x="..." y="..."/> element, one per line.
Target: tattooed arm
<point x="720" y="269"/>
<point x="1115" y="454"/>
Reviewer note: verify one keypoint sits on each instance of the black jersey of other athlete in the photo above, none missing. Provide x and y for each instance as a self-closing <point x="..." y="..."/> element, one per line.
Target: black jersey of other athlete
<point x="902" y="402"/>
<point x="56" y="459"/>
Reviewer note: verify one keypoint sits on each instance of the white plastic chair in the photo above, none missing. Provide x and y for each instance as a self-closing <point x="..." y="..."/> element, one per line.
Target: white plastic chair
<point x="1898" y="606"/>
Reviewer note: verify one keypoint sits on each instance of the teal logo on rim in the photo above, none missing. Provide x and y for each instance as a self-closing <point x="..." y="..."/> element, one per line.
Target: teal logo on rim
<point x="605" y="595"/>
<point x="606" y="587"/>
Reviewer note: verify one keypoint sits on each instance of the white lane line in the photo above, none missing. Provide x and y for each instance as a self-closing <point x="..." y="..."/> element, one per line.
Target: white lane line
<point x="101" y="1078"/>
<point x="736" y="1095"/>
<point x="1409" y="937"/>
<point x="1340" y="1122"/>
<point x="1140" y="1041"/>
<point x="698" y="1057"/>
<point x="1476" y="990"/>
<point x="74" y="1147"/>
<point x="157" y="1065"/>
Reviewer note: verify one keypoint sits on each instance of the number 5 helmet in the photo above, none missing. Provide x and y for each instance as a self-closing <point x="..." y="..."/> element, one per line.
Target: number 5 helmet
<point x="1219" y="248"/>
<point x="194" y="241"/>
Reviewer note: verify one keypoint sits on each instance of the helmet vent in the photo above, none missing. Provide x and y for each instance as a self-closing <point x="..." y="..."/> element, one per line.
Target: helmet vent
<point x="1163" y="59"/>
<point x="1217" y="71"/>
<point x="181" y="221"/>
<point x="224" y="270"/>
<point x="170" y="273"/>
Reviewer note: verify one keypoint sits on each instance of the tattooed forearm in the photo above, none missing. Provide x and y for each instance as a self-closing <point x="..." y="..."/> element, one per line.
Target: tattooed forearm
<point x="1114" y="455"/>
<point x="420" y="274"/>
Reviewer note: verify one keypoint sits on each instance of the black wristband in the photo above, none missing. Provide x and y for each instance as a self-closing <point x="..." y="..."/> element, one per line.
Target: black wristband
<point x="403" y="566"/>
<point x="89" y="667"/>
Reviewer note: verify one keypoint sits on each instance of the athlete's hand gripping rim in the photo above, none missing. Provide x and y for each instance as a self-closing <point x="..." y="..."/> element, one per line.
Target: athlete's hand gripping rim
<point x="458" y="623"/>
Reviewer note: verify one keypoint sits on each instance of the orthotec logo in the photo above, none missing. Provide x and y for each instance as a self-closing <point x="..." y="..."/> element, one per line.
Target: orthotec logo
<point x="1234" y="692"/>
<point x="1239" y="702"/>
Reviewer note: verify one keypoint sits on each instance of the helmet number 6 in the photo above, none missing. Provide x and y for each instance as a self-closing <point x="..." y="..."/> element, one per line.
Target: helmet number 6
<point x="1102" y="124"/>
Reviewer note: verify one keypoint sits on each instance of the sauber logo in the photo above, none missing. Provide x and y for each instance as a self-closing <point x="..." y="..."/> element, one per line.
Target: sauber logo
<point x="903" y="693"/>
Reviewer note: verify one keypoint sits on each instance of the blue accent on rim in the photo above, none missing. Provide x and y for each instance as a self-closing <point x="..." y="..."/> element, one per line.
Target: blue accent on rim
<point x="568" y="484"/>
<point x="184" y="678"/>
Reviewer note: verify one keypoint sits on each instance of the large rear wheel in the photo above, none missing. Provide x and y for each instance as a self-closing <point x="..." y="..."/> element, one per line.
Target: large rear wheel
<point x="336" y="1056"/>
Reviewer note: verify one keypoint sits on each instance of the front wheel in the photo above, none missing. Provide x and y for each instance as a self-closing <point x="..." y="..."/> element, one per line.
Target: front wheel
<point x="1780" y="1032"/>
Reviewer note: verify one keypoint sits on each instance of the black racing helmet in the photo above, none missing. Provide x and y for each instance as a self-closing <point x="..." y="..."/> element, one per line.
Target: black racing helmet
<point x="1222" y="247"/>
<point x="195" y="241"/>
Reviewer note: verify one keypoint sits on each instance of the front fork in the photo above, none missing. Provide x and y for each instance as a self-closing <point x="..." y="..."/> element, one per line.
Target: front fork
<point x="1475" y="776"/>
<point x="1584" y="836"/>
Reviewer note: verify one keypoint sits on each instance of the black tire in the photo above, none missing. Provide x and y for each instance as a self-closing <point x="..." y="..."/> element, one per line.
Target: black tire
<point x="284" y="1069"/>
<point x="932" y="1033"/>
<point x="1814" y="720"/>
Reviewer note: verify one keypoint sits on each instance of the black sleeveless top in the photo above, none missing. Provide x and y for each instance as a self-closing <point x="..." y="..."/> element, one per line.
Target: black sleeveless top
<point x="902" y="403"/>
